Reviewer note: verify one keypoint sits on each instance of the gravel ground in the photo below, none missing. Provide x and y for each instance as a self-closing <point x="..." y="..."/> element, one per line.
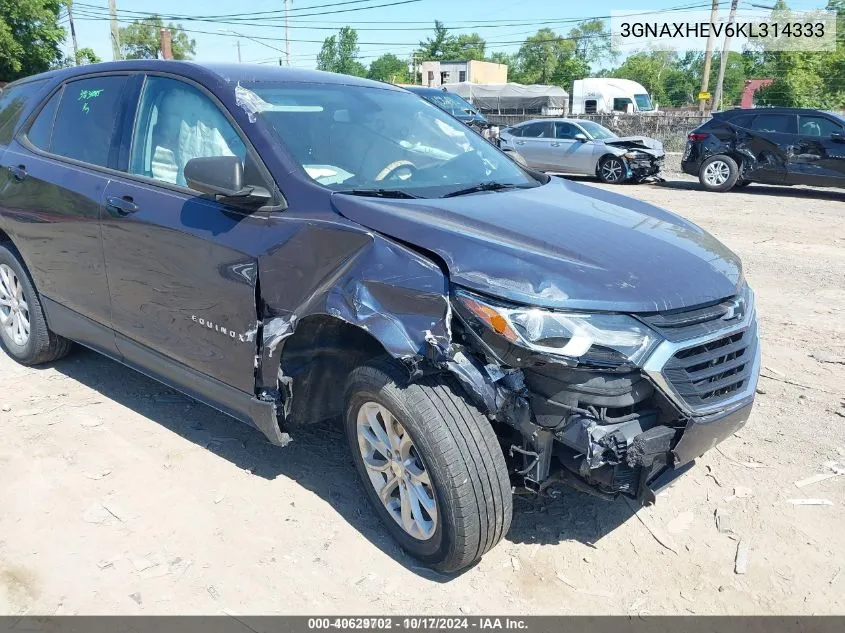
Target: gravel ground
<point x="120" y="496"/>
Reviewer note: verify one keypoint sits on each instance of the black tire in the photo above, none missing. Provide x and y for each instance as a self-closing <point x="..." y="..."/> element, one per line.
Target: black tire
<point x="718" y="173"/>
<point x="741" y="184"/>
<point x="612" y="170"/>
<point x="458" y="449"/>
<point x="42" y="345"/>
<point x="517" y="158"/>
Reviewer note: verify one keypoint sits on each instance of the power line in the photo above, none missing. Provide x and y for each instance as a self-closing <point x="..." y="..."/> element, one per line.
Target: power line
<point x="236" y="19"/>
<point x="252" y="15"/>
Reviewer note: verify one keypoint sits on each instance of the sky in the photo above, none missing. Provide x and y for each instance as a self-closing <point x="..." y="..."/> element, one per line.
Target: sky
<point x="394" y="29"/>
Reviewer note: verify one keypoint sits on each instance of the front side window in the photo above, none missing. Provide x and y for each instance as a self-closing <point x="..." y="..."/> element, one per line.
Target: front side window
<point x="565" y="130"/>
<point x="817" y="126"/>
<point x="87" y="119"/>
<point x="361" y="138"/>
<point x="175" y="123"/>
<point x="596" y="131"/>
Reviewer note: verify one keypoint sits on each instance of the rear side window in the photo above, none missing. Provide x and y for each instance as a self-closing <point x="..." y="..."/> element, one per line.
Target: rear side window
<point x="779" y="123"/>
<point x="540" y="129"/>
<point x="817" y="126"/>
<point x="41" y="129"/>
<point x="13" y="105"/>
<point x="744" y="120"/>
<point x="87" y="118"/>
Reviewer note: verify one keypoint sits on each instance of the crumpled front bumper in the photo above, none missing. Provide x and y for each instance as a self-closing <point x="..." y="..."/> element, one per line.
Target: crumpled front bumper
<point x="699" y="436"/>
<point x="639" y="168"/>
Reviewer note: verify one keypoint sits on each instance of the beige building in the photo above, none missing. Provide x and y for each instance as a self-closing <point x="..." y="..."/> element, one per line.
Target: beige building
<point x="435" y="74"/>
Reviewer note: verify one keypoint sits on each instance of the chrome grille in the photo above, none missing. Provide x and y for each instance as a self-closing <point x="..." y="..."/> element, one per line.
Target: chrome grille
<point x="712" y="372"/>
<point x="710" y="359"/>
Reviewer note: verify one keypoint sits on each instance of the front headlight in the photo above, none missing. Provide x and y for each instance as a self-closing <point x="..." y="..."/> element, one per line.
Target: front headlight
<point x="584" y="337"/>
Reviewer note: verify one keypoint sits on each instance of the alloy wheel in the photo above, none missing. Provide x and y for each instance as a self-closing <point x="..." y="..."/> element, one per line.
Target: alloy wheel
<point x="14" y="310"/>
<point x="396" y="471"/>
<point x="717" y="173"/>
<point x="611" y="170"/>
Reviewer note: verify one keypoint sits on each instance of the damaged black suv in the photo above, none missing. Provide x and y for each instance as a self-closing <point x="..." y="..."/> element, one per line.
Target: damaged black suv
<point x="775" y="146"/>
<point x="292" y="246"/>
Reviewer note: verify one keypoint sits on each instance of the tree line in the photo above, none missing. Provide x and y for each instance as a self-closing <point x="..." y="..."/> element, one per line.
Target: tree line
<point x="31" y="39"/>
<point x="811" y="79"/>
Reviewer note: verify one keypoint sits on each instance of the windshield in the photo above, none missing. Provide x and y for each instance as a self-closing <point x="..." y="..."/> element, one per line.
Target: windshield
<point x="362" y="139"/>
<point x="452" y="103"/>
<point x="643" y="102"/>
<point x="598" y="132"/>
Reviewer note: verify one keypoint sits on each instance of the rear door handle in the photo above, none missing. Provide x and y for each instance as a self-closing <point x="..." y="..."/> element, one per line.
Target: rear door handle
<point x="124" y="205"/>
<point x="520" y="142"/>
<point x="555" y="144"/>
<point x="18" y="172"/>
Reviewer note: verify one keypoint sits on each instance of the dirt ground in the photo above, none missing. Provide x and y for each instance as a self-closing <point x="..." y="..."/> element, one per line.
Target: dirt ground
<point x="118" y="495"/>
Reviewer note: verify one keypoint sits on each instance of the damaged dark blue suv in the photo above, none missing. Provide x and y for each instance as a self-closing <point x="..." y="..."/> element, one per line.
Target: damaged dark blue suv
<point x="291" y="246"/>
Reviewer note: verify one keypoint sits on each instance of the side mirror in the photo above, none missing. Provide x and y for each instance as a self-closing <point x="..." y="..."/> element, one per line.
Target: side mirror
<point x="581" y="138"/>
<point x="223" y="178"/>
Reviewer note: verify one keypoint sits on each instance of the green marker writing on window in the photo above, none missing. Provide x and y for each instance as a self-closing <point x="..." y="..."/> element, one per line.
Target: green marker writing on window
<point x="86" y="95"/>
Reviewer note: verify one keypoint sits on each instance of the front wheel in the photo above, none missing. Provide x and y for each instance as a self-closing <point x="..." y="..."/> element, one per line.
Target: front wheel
<point x="718" y="173"/>
<point x="612" y="170"/>
<point x="430" y="463"/>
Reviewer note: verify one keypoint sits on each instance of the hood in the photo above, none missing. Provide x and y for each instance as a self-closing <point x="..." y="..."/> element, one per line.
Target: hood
<point x="560" y="245"/>
<point x="636" y="142"/>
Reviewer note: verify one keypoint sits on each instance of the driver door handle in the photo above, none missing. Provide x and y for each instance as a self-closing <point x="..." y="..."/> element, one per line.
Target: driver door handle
<point x="555" y="144"/>
<point x="124" y="205"/>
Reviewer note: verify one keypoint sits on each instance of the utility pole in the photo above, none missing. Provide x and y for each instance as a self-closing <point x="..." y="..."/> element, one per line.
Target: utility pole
<point x="72" y="31"/>
<point x="115" y="33"/>
<point x="239" y="51"/>
<point x="723" y="58"/>
<point x="708" y="55"/>
<point x="287" y="33"/>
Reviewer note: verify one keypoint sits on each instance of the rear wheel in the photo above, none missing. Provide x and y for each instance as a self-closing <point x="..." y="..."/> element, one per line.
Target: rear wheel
<point x="23" y="329"/>
<point x="612" y="170"/>
<point x="430" y="464"/>
<point x="718" y="173"/>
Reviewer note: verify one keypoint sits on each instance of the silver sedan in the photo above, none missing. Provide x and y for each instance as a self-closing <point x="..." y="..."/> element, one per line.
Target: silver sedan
<point x="576" y="146"/>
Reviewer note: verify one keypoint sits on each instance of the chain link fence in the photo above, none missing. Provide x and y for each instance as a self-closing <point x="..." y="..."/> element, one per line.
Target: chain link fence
<point x="671" y="128"/>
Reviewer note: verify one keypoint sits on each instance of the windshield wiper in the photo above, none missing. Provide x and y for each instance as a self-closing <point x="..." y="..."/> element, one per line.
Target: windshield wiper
<point x="379" y="193"/>
<point x="484" y="186"/>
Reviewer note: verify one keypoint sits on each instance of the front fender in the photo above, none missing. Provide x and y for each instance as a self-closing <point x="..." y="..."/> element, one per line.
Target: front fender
<point x="397" y="295"/>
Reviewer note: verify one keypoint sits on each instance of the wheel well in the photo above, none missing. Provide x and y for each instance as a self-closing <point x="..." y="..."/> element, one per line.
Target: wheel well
<point x="4" y="237"/>
<point x="319" y="356"/>
<point x="601" y="158"/>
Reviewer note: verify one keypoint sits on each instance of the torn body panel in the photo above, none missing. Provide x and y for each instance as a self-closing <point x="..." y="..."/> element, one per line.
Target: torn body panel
<point x="333" y="296"/>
